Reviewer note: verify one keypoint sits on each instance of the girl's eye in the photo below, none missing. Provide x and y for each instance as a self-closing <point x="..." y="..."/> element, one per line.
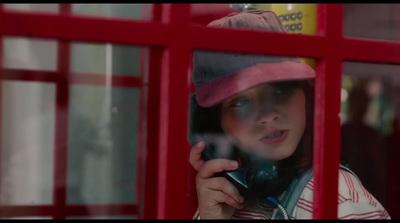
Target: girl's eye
<point x="282" y="90"/>
<point x="277" y="91"/>
<point x="240" y="103"/>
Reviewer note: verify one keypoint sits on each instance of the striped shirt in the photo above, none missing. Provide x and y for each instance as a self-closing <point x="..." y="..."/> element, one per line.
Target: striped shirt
<point x="354" y="202"/>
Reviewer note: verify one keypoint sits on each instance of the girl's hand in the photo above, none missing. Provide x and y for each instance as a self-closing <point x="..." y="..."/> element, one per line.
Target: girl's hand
<point x="217" y="197"/>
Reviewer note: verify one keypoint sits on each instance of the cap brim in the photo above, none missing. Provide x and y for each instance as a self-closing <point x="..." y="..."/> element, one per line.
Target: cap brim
<point x="210" y="94"/>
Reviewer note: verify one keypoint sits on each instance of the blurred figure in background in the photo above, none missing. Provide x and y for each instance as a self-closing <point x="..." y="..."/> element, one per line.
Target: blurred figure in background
<point x="362" y="146"/>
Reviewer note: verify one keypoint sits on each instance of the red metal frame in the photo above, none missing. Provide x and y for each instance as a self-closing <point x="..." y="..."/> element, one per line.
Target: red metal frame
<point x="327" y="140"/>
<point x="74" y="78"/>
<point x="61" y="125"/>
<point x="152" y="110"/>
<point x="174" y="104"/>
<point x="171" y="37"/>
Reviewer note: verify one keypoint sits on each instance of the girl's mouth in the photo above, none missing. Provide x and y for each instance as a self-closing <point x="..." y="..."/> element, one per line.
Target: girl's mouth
<point x="275" y="137"/>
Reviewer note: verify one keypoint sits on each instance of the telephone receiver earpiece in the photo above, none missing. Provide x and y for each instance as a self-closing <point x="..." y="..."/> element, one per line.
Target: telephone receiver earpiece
<point x="255" y="180"/>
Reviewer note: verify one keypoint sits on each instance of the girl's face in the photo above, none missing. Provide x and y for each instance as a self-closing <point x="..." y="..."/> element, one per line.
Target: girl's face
<point x="267" y="120"/>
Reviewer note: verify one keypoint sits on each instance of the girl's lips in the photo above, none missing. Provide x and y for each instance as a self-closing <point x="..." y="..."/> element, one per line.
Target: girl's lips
<point x="276" y="139"/>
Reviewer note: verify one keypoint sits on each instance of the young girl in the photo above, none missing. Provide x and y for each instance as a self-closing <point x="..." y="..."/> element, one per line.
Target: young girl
<point x="258" y="112"/>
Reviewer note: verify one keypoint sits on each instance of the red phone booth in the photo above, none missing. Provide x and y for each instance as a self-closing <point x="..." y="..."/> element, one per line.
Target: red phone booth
<point x="151" y="178"/>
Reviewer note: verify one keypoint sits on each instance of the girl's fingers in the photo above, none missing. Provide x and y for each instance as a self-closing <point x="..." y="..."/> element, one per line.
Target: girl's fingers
<point x="220" y="197"/>
<point x="223" y="185"/>
<point x="216" y="165"/>
<point x="195" y="155"/>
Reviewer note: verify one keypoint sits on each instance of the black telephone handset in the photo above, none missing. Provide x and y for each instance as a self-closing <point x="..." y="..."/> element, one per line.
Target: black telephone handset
<point x="255" y="178"/>
<point x="257" y="182"/>
<point x="236" y="177"/>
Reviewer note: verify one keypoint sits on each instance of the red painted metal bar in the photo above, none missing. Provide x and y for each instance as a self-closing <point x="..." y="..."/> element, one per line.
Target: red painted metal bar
<point x="173" y="149"/>
<point x="1" y="86"/>
<point x="86" y="28"/>
<point x="370" y="50"/>
<point x="123" y="31"/>
<point x="96" y="79"/>
<point x="232" y="40"/>
<point x="102" y="210"/>
<point x="10" y="211"/>
<point x="150" y="193"/>
<point x="13" y="211"/>
<point x="327" y="109"/>
<point x="29" y="75"/>
<point x="61" y="126"/>
<point x="75" y="78"/>
<point x="79" y="28"/>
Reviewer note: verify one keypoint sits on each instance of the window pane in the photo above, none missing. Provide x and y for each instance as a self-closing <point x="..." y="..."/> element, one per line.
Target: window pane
<point x="266" y="124"/>
<point x="27" y="143"/>
<point x="132" y="11"/>
<point x="296" y="18"/>
<point x="375" y="21"/>
<point x="369" y="116"/>
<point x="25" y="53"/>
<point x="33" y="7"/>
<point x="102" y="145"/>
<point x="103" y="58"/>
<point x="88" y="58"/>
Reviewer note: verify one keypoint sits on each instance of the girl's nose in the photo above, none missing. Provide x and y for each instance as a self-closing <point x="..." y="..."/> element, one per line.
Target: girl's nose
<point x="267" y="116"/>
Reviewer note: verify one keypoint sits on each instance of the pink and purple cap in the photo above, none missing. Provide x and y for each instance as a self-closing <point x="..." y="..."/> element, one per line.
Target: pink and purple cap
<point x="220" y="75"/>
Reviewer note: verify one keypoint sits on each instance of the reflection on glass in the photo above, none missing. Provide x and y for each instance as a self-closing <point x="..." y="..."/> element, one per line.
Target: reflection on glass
<point x="133" y="11"/>
<point x="375" y="21"/>
<point x="369" y="114"/>
<point x="105" y="59"/>
<point x="88" y="58"/>
<point x="33" y="7"/>
<point x="126" y="60"/>
<point x="102" y="145"/>
<point x="27" y="143"/>
<point x="34" y="54"/>
<point x="296" y="18"/>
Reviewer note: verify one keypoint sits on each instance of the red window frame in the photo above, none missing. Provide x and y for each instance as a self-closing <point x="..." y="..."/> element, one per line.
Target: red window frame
<point x="171" y="38"/>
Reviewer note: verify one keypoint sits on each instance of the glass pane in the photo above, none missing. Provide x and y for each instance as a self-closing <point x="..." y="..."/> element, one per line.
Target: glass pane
<point x="296" y="18"/>
<point x="33" y="7"/>
<point x="27" y="143"/>
<point x="257" y="110"/>
<point x="88" y="58"/>
<point x="375" y="21"/>
<point x="33" y="54"/>
<point x="106" y="58"/>
<point x="132" y="11"/>
<point x="369" y="114"/>
<point x="102" y="145"/>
